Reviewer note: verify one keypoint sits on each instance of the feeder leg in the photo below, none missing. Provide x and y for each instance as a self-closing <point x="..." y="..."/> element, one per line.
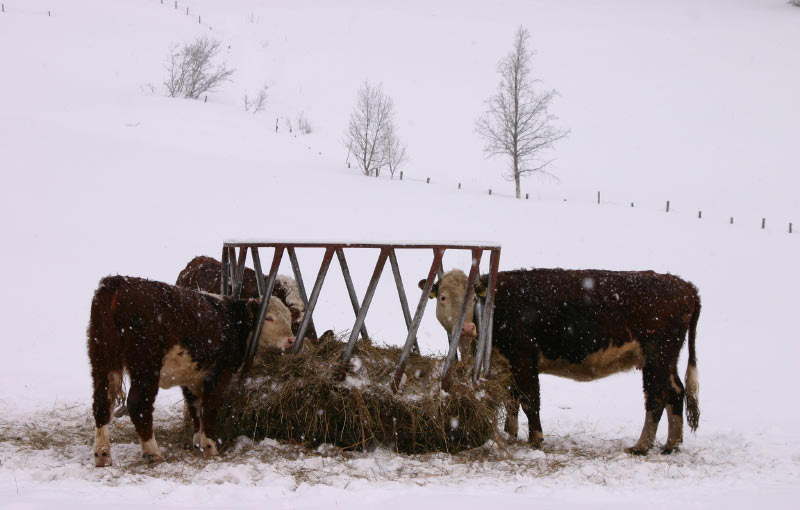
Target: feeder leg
<point x="412" y="330"/>
<point x="301" y="288"/>
<point x="456" y="334"/>
<point x="239" y="273"/>
<point x="477" y="366"/>
<point x="259" y="271"/>
<point x="262" y="313"/>
<point x="488" y="312"/>
<point x="362" y="313"/>
<point x="401" y="292"/>
<point x="231" y="267"/>
<point x="348" y="280"/>
<point x="223" y="290"/>
<point x="312" y="301"/>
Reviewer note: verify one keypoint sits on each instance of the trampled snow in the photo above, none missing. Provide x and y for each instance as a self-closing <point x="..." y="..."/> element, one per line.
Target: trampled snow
<point x="690" y="102"/>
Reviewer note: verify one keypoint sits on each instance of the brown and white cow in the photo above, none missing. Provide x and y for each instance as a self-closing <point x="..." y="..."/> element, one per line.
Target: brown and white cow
<point x="165" y="336"/>
<point x="204" y="273"/>
<point x="586" y="325"/>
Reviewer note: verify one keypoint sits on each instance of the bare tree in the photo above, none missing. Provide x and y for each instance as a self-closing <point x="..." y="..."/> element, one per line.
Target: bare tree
<point x="395" y="151"/>
<point x="191" y="71"/>
<point x="370" y="122"/>
<point x="517" y="123"/>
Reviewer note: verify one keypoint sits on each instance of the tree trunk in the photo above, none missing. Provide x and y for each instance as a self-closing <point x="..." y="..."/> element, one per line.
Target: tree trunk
<point x="516" y="176"/>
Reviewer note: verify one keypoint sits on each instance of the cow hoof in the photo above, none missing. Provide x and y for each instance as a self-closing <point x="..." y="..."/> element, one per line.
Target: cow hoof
<point x="102" y="459"/>
<point x="152" y="458"/>
<point x="670" y="449"/>
<point x="536" y="445"/>
<point x="635" y="450"/>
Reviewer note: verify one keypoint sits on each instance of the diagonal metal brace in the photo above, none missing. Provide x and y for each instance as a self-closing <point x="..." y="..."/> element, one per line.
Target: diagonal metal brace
<point x="362" y="313"/>
<point x="412" y="330"/>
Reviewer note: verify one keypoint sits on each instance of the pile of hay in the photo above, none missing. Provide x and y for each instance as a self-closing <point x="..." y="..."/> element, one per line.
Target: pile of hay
<point x="297" y="398"/>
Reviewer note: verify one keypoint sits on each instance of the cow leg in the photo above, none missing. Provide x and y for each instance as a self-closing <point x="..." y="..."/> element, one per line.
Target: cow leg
<point x="103" y="400"/>
<point x="195" y="409"/>
<point x="675" y="395"/>
<point x="529" y="399"/>
<point x="656" y="380"/>
<point x="141" y="398"/>
<point x="213" y="389"/>
<point x="512" y="417"/>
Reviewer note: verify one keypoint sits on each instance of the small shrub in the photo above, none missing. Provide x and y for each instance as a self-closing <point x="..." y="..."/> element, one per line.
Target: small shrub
<point x="258" y="103"/>
<point x="191" y="70"/>
<point x="303" y="124"/>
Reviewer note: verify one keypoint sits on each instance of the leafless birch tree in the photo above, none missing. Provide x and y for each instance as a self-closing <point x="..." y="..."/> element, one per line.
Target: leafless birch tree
<point x="517" y="123"/>
<point x="370" y="122"/>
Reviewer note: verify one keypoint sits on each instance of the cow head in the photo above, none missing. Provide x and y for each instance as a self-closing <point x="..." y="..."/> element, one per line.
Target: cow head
<point x="277" y="330"/>
<point x="449" y="294"/>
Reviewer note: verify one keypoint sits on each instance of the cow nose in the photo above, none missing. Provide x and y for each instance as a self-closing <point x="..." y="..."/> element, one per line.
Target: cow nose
<point x="289" y="341"/>
<point x="469" y="329"/>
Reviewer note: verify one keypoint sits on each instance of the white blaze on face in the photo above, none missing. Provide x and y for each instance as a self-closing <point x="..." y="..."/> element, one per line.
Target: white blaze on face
<point x="277" y="330"/>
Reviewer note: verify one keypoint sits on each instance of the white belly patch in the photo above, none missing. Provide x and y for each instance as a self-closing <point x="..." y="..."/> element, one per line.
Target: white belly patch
<point x="178" y="369"/>
<point x="597" y="365"/>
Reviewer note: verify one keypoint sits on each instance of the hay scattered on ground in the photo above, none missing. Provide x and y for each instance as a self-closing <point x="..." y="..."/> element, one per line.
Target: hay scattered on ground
<point x="299" y="399"/>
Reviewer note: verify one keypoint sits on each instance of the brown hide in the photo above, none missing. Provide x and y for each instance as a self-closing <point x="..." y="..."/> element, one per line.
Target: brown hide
<point x="164" y="336"/>
<point x="588" y="324"/>
<point x="205" y="273"/>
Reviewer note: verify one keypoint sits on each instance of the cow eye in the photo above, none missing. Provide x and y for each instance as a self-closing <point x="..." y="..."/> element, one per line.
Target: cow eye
<point x="268" y="318"/>
<point x="443" y="298"/>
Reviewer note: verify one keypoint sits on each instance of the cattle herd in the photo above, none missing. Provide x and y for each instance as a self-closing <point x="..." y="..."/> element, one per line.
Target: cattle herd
<point x="580" y="324"/>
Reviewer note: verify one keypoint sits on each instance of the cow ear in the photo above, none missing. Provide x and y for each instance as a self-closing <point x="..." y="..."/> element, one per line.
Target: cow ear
<point x="480" y="289"/>
<point x="434" y="290"/>
<point x="295" y="313"/>
<point x="253" y="306"/>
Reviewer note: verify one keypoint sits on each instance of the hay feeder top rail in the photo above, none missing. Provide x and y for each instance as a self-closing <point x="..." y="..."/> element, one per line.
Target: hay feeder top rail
<point x="233" y="264"/>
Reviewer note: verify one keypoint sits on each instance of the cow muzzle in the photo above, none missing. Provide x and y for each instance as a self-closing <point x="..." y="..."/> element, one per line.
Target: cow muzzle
<point x="469" y="330"/>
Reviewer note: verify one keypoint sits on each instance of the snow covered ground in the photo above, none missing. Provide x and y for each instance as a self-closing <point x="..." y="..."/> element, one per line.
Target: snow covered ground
<point x="690" y="102"/>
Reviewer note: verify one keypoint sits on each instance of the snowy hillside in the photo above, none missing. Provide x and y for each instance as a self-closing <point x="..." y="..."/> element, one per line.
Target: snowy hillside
<point x="102" y="174"/>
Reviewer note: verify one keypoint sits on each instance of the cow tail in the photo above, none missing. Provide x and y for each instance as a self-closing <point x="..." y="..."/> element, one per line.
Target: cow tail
<point x="692" y="383"/>
<point x="105" y="349"/>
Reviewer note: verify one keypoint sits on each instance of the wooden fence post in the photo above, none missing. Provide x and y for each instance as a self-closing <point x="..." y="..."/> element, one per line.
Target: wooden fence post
<point x="699" y="214"/>
<point x="459" y="185"/>
<point x="763" y="223"/>
<point x="667" y="205"/>
<point x="490" y="191"/>
<point x="401" y="175"/>
<point x="526" y="196"/>
<point x="428" y="181"/>
<point x="631" y="204"/>
<point x="790" y="227"/>
<point x="731" y="220"/>
<point x="598" y="197"/>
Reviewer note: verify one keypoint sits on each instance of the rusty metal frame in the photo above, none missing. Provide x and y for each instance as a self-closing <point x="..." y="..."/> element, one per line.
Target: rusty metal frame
<point x="233" y="264"/>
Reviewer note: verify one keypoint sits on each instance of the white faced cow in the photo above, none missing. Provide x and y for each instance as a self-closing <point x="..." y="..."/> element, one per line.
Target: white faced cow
<point x="586" y="325"/>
